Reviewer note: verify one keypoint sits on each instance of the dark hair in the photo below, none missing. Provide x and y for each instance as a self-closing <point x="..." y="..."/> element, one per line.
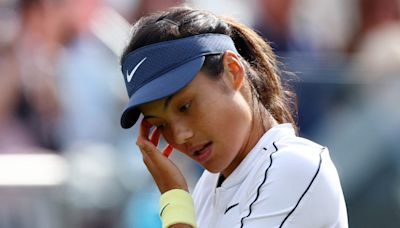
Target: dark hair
<point x="257" y="56"/>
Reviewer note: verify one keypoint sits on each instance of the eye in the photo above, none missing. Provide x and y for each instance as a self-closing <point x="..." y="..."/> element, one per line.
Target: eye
<point x="160" y="126"/>
<point x="185" y="107"/>
<point x="157" y="124"/>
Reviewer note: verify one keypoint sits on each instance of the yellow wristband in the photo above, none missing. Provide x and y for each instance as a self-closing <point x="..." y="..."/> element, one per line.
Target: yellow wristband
<point x="176" y="206"/>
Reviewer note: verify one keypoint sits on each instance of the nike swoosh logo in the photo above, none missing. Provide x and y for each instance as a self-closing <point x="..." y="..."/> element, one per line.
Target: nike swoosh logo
<point x="129" y="76"/>
<point x="162" y="210"/>
<point x="234" y="205"/>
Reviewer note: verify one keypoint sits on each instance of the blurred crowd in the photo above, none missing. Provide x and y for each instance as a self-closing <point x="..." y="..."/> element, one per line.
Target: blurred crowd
<point x="62" y="93"/>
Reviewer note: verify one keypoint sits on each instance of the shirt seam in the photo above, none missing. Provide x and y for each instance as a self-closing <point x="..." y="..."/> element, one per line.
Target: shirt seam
<point x="308" y="187"/>
<point x="259" y="187"/>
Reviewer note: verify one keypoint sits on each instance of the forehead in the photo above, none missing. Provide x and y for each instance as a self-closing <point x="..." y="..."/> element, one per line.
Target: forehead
<point x="200" y="84"/>
<point x="153" y="106"/>
<point x="160" y="104"/>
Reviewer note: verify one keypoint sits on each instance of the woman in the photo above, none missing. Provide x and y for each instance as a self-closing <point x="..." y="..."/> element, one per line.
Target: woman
<point x="211" y="88"/>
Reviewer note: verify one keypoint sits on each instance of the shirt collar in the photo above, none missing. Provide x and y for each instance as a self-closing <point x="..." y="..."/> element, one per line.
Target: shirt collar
<point x="243" y="170"/>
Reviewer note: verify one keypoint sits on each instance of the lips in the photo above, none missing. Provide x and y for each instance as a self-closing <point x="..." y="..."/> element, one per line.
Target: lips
<point x="201" y="153"/>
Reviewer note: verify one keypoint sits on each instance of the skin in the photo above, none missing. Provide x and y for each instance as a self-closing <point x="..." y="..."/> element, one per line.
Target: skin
<point x="209" y="115"/>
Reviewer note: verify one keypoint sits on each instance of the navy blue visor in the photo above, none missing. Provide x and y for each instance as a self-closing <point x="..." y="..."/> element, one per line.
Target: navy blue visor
<point x="159" y="70"/>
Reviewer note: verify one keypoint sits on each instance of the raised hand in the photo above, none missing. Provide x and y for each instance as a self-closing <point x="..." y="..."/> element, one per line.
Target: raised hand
<point x="165" y="173"/>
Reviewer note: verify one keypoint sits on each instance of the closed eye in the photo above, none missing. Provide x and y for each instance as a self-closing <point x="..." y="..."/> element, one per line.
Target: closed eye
<point x="185" y="107"/>
<point x="157" y="124"/>
<point x="160" y="126"/>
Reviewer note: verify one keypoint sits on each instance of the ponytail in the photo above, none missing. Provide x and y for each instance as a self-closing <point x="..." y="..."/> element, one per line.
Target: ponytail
<point x="258" y="58"/>
<point x="263" y="75"/>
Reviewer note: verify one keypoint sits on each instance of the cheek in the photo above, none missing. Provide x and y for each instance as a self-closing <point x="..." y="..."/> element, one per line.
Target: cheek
<point x="230" y="131"/>
<point x="233" y="127"/>
<point x="167" y="135"/>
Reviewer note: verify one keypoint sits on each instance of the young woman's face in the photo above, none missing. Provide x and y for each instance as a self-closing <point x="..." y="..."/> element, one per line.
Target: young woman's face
<point x="208" y="120"/>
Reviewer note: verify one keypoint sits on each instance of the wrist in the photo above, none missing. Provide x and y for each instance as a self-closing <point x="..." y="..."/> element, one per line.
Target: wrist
<point x="177" y="207"/>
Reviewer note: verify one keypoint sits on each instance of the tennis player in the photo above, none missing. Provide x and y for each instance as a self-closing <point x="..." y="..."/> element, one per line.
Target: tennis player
<point x="211" y="88"/>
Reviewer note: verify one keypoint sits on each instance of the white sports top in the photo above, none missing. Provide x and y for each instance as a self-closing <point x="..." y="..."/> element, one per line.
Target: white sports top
<point x="285" y="181"/>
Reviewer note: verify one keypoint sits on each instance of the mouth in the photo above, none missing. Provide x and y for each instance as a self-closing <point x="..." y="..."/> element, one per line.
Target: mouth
<point x="203" y="153"/>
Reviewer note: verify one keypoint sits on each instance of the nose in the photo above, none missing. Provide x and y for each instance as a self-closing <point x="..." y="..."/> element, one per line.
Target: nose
<point x="181" y="132"/>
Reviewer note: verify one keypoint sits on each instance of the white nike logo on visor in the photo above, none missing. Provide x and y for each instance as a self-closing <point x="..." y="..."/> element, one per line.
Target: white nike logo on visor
<point x="129" y="76"/>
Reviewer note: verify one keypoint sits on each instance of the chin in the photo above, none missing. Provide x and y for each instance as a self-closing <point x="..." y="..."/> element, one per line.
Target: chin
<point x="213" y="169"/>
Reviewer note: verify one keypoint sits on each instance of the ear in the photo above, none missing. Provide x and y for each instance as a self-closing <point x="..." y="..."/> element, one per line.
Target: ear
<point x="234" y="72"/>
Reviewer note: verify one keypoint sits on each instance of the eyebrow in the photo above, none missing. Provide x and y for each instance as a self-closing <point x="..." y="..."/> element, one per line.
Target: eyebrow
<point x="168" y="101"/>
<point x="166" y="104"/>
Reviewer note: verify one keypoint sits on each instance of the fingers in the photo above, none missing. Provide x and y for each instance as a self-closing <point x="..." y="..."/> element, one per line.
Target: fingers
<point x="144" y="131"/>
<point x="150" y="146"/>
<point x="165" y="173"/>
<point x="146" y="145"/>
<point x="152" y="157"/>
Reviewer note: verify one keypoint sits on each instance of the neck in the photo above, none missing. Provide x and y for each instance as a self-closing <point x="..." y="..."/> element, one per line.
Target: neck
<point x="261" y="123"/>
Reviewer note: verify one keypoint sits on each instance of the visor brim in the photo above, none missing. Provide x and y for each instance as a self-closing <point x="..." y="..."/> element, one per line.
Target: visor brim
<point x="167" y="84"/>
